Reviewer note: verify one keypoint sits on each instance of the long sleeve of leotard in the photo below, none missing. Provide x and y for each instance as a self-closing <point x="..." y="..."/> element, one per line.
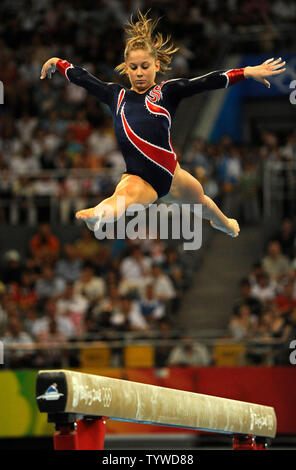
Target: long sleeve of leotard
<point x="81" y="77"/>
<point x="184" y="87"/>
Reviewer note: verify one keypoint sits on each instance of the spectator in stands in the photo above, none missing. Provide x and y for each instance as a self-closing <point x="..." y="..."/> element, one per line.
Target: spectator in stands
<point x="289" y="149"/>
<point x="52" y="356"/>
<point x="102" y="263"/>
<point x="275" y="326"/>
<point x="197" y="155"/>
<point x="291" y="276"/>
<point x="10" y="307"/>
<point x="281" y="325"/>
<point x="12" y="269"/>
<point x="72" y="193"/>
<point x="275" y="264"/>
<point x="101" y="141"/>
<point x="283" y="11"/>
<point x="286" y="236"/>
<point x="264" y="289"/>
<point x="265" y="322"/>
<point x="164" y="289"/>
<point x="15" y="335"/>
<point x="49" y="313"/>
<point x="173" y="267"/>
<point x="256" y="270"/>
<point x="209" y="184"/>
<point x="286" y="301"/>
<point x="234" y="167"/>
<point x="24" y="293"/>
<point x="247" y="298"/>
<point x="157" y="250"/>
<point x="133" y="270"/>
<point x="228" y="167"/>
<point x="244" y="324"/>
<point x="23" y="191"/>
<point x="81" y="128"/>
<point x="90" y="329"/>
<point x="129" y="317"/>
<point x="30" y="317"/>
<point x="45" y="188"/>
<point x="25" y="127"/>
<point x="90" y="286"/>
<point x="189" y="353"/>
<point x="87" y="247"/>
<point x="248" y="186"/>
<point x="25" y="163"/>
<point x="49" y="285"/>
<point x="69" y="266"/>
<point x="45" y="243"/>
<point x="53" y="124"/>
<point x="73" y="306"/>
<point x="111" y="303"/>
<point x="151" y="308"/>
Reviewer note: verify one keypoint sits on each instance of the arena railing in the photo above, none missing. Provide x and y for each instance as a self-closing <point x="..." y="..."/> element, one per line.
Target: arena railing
<point x="142" y="352"/>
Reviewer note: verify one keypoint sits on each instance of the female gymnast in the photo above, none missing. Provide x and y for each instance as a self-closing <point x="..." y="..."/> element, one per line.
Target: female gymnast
<point x="142" y="118"/>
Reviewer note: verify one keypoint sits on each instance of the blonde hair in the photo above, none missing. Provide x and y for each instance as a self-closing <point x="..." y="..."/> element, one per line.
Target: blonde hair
<point x="140" y="36"/>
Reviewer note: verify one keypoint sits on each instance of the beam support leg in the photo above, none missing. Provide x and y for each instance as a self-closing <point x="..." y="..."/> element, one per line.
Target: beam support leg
<point x="87" y="433"/>
<point x="65" y="437"/>
<point x="249" y="442"/>
<point x="91" y="433"/>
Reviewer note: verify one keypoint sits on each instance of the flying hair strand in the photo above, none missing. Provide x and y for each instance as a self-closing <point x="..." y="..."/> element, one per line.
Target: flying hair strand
<point x="140" y="35"/>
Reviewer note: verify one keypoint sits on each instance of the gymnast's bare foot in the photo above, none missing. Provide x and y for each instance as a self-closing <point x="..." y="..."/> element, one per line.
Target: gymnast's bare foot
<point x="89" y="217"/>
<point x="86" y="213"/>
<point x="232" y="228"/>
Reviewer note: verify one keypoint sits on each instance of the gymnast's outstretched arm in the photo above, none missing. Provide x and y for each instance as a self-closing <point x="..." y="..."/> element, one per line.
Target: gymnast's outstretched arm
<point x="81" y="77"/>
<point x="182" y="87"/>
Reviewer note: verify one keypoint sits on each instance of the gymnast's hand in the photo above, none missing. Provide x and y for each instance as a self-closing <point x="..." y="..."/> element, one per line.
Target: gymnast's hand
<point x="48" y="67"/>
<point x="268" y="68"/>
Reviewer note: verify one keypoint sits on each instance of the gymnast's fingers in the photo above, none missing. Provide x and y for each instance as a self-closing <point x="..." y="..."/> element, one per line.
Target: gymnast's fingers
<point x="43" y="72"/>
<point x="44" y="69"/>
<point x="278" y="66"/>
<point x="268" y="61"/>
<point x="276" y="72"/>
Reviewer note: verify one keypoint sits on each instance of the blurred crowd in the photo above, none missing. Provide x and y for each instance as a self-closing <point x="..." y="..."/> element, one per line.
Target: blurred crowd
<point x="266" y="307"/>
<point x="87" y="290"/>
<point x="89" y="165"/>
<point x="93" y="32"/>
<point x="92" y="36"/>
<point x="92" y="290"/>
<point x="235" y="172"/>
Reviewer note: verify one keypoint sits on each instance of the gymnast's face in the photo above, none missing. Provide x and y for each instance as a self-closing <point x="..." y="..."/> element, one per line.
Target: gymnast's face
<point x="141" y="68"/>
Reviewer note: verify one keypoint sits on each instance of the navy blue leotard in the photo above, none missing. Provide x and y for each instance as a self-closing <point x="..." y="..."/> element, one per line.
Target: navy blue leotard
<point x="142" y="121"/>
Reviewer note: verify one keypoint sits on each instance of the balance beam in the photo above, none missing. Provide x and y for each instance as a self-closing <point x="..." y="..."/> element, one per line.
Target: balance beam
<point x="60" y="392"/>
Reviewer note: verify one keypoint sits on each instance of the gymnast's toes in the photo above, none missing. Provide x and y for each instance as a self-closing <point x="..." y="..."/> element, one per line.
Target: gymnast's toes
<point x="85" y="213"/>
<point x="234" y="226"/>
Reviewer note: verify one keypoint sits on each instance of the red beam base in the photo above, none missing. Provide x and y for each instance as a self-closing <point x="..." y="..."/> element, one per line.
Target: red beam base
<point x="84" y="434"/>
<point x="242" y="442"/>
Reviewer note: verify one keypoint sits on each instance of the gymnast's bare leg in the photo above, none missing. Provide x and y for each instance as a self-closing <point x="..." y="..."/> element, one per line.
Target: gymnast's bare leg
<point x="131" y="188"/>
<point x="186" y="189"/>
